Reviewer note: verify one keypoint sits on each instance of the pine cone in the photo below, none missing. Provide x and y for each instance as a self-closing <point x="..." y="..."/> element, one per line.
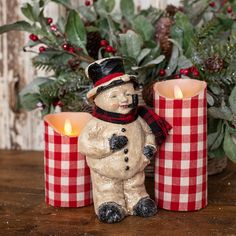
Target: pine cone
<point x="148" y="95"/>
<point x="171" y="10"/>
<point x="86" y="108"/>
<point x="93" y="44"/>
<point x="214" y="64"/>
<point x="163" y="34"/>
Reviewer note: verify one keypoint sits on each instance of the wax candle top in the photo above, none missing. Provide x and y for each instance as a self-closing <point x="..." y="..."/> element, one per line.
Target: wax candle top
<point x="68" y="123"/>
<point x="179" y="88"/>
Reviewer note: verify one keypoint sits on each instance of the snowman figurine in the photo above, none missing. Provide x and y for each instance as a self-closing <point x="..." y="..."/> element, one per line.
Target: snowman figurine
<point x="119" y="142"/>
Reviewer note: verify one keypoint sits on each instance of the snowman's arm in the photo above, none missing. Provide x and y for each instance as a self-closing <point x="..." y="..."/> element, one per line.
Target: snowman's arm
<point x="150" y="137"/>
<point x="93" y="143"/>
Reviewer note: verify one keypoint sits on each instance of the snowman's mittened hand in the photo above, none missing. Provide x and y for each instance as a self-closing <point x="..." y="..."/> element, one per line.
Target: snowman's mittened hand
<point x="117" y="142"/>
<point x="149" y="151"/>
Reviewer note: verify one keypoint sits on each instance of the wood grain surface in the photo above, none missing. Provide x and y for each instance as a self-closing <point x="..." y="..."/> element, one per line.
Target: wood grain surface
<point x="23" y="211"/>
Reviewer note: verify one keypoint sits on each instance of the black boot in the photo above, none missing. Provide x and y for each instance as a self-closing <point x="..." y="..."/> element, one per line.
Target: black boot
<point x="110" y="212"/>
<point x="145" y="207"/>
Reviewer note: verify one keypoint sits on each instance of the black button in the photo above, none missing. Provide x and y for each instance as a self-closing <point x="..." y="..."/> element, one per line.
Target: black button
<point x="126" y="159"/>
<point x="126" y="151"/>
<point x="123" y="129"/>
<point x="127" y="168"/>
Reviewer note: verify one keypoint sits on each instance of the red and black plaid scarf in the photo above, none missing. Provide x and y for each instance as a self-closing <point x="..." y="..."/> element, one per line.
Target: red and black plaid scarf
<point x="158" y="125"/>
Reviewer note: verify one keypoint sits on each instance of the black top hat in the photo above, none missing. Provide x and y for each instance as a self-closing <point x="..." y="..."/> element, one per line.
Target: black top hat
<point x="106" y="73"/>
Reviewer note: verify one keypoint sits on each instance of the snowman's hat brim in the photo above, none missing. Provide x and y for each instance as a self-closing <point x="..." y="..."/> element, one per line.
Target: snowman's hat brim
<point x="111" y="83"/>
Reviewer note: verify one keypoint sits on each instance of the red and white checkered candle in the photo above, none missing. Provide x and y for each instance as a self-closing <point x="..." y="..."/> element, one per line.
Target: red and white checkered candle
<point x="67" y="176"/>
<point x="181" y="163"/>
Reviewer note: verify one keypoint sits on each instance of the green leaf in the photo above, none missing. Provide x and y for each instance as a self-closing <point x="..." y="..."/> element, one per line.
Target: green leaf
<point x="75" y="30"/>
<point x="151" y="63"/>
<point x="29" y="101"/>
<point x="143" y="27"/>
<point x="87" y="13"/>
<point x="131" y="44"/>
<point x="214" y="140"/>
<point x="232" y="100"/>
<point x="29" y="12"/>
<point x="215" y="88"/>
<point x="143" y="54"/>
<point x="184" y="62"/>
<point x="65" y="3"/>
<point x="173" y="62"/>
<point x="183" y="32"/>
<point x="229" y="146"/>
<point x="109" y="4"/>
<point x="33" y="86"/>
<point x="210" y="99"/>
<point x="127" y="9"/>
<point x="223" y="113"/>
<point x="19" y="26"/>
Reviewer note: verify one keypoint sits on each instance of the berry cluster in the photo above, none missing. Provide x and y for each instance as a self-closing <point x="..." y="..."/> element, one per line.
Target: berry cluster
<point x="229" y="9"/>
<point x="108" y="48"/>
<point x="192" y="71"/>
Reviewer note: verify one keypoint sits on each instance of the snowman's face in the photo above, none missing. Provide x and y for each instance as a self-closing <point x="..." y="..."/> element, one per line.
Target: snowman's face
<point x="116" y="99"/>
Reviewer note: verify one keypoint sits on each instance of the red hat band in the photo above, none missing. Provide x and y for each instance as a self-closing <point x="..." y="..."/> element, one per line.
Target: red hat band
<point x="108" y="78"/>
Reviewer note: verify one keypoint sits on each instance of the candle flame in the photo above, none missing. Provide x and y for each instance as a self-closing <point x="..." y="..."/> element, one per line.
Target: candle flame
<point x="67" y="127"/>
<point x="178" y="92"/>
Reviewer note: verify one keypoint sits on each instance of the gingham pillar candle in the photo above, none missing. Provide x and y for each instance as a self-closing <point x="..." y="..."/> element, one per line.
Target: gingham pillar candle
<point x="67" y="176"/>
<point x="181" y="163"/>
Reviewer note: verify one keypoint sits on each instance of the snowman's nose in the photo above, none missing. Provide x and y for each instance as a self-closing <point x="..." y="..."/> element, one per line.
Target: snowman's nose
<point x="123" y="98"/>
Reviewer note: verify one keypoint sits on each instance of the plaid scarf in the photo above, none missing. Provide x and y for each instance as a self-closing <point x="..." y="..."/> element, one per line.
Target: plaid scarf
<point x="158" y="125"/>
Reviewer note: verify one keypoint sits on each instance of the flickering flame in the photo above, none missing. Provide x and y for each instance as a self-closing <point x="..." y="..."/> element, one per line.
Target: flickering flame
<point x="67" y="127"/>
<point x="178" y="92"/>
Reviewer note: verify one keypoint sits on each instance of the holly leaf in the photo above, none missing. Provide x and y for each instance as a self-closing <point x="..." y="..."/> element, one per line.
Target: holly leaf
<point x="229" y="146"/>
<point x="143" y="27"/>
<point x="18" y="26"/>
<point x="131" y="44"/>
<point x="75" y="30"/>
<point x="232" y="100"/>
<point x="127" y="9"/>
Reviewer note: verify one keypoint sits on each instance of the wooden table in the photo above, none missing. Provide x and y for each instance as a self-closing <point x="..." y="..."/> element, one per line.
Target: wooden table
<point x="23" y="211"/>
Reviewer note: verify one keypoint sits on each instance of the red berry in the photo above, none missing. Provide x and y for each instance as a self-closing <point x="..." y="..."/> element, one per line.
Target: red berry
<point x="49" y="20"/>
<point x="184" y="71"/>
<point x="162" y="72"/>
<point x="212" y="4"/>
<point x="34" y="37"/>
<point x="79" y="49"/>
<point x="53" y="27"/>
<point x="65" y="46"/>
<point x="87" y="3"/>
<point x="71" y="49"/>
<point x="196" y="73"/>
<point x="192" y="69"/>
<point x="103" y="43"/>
<point x="229" y="9"/>
<point x="42" y="49"/>
<point x="177" y="76"/>
<point x="109" y="48"/>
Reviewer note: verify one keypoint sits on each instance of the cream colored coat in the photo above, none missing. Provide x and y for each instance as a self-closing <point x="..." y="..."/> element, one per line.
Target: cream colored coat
<point x="114" y="177"/>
